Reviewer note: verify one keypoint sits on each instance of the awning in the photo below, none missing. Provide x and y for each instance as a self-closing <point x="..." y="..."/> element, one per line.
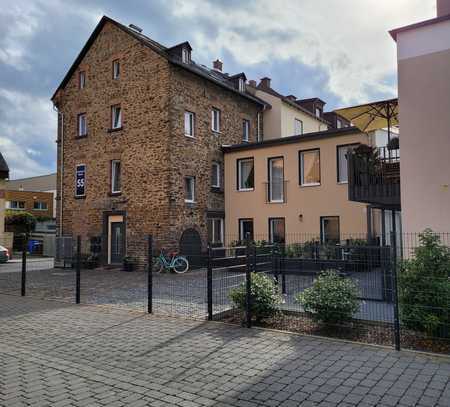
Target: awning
<point x="372" y="116"/>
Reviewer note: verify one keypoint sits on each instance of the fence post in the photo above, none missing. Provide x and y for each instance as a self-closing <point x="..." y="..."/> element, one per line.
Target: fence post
<point x="209" y="284"/>
<point x="395" y="288"/>
<point x="248" y="286"/>
<point x="283" y="269"/>
<point x="24" y="267"/>
<point x="150" y="276"/>
<point x="78" y="272"/>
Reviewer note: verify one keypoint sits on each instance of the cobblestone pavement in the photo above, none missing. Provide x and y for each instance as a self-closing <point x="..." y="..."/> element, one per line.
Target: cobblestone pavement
<point x="56" y="354"/>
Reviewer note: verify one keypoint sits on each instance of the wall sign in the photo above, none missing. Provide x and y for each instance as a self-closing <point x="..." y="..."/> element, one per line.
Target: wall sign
<point x="80" y="180"/>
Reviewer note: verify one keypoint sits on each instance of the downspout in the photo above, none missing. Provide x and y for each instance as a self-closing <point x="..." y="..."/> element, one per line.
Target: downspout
<point x="60" y="114"/>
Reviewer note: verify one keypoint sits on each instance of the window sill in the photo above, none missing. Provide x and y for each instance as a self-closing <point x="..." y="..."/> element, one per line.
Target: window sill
<point x="114" y="193"/>
<point x="276" y="202"/>
<point x="216" y="132"/>
<point x="190" y="204"/>
<point x="217" y="190"/>
<point x="80" y="196"/>
<point x="342" y="182"/>
<point x="189" y="136"/>
<point x="80" y="137"/>
<point x="245" y="189"/>
<point x="114" y="130"/>
<point x="310" y="185"/>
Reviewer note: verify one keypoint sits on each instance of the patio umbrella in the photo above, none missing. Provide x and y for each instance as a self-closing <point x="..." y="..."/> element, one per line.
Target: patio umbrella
<point x="372" y="116"/>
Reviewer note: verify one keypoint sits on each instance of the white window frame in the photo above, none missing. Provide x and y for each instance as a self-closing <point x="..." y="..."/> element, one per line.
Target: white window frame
<point x="338" y="149"/>
<point x="189" y="118"/>
<point x="246" y="130"/>
<point x="17" y="207"/>
<point x="239" y="165"/>
<point x="216" y="168"/>
<point x="271" y="200"/>
<point x="114" y="175"/>
<point x="192" y="181"/>
<point x="213" y="230"/>
<point x="302" y="169"/>
<point x="318" y="112"/>
<point x="85" y="173"/>
<point x="295" y="126"/>
<point x="215" y="112"/>
<point x="338" y="123"/>
<point x="185" y="55"/>
<point x="241" y="85"/>
<point x="81" y="79"/>
<point x="116" y="69"/>
<point x="113" y="114"/>
<point x="241" y="228"/>
<point x="272" y="228"/>
<point x="40" y="208"/>
<point x="82" y="130"/>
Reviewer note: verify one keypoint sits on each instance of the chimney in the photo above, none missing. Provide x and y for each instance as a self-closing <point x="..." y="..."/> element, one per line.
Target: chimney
<point x="252" y="83"/>
<point x="291" y="98"/>
<point x="265" y="83"/>
<point x="443" y="7"/>
<point x="217" y="65"/>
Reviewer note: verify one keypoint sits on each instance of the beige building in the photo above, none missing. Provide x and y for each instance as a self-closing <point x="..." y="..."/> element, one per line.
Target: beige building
<point x="423" y="51"/>
<point x="293" y="188"/>
<point x="287" y="115"/>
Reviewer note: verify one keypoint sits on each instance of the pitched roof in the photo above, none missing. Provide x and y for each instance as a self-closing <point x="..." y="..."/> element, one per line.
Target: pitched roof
<point x="218" y="78"/>
<point x="418" y="25"/>
<point x="4" y="169"/>
<point x="318" y="135"/>
<point x="37" y="183"/>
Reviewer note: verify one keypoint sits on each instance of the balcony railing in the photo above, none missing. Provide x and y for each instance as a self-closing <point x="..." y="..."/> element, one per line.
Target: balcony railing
<point x="374" y="176"/>
<point x="276" y="191"/>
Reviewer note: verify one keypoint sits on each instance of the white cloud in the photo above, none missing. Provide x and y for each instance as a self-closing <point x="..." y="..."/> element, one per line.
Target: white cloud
<point x="27" y="123"/>
<point x="348" y="39"/>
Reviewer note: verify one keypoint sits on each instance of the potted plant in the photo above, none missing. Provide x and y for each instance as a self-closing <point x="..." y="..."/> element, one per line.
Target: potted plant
<point x="129" y="263"/>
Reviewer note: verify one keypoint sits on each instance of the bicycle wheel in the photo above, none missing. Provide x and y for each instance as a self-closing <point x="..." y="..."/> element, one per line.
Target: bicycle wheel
<point x="158" y="267"/>
<point x="180" y="265"/>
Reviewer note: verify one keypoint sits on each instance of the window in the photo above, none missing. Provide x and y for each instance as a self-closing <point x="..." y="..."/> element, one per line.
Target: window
<point x="15" y="205"/>
<point x="215" y="176"/>
<point x="185" y="56"/>
<point x="298" y="127"/>
<point x="245" y="130"/>
<point x="246" y="174"/>
<point x="215" y="230"/>
<point x="189" y="189"/>
<point x="80" y="180"/>
<point x="241" y="85"/>
<point x="277" y="232"/>
<point x="82" y="80"/>
<point x="329" y="229"/>
<point x="116" y="69"/>
<point x="338" y="123"/>
<point x="245" y="229"/>
<point x="115" y="176"/>
<point x="342" y="165"/>
<point x="40" y="206"/>
<point x="189" y="123"/>
<point x="215" y="120"/>
<point x="82" y="125"/>
<point x="276" y="179"/>
<point x="318" y="112"/>
<point x="310" y="167"/>
<point x="116" y="117"/>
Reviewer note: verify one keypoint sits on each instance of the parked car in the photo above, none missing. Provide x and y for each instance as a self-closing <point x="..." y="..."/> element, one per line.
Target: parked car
<point x="4" y="254"/>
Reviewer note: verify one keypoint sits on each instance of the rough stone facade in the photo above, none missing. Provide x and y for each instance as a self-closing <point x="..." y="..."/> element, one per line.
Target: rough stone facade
<point x="155" y="154"/>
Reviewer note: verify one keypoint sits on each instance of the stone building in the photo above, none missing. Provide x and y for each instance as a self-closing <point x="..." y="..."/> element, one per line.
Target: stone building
<point x="140" y="130"/>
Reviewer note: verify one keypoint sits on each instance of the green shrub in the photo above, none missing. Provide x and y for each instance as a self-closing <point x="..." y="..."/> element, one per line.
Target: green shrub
<point x="331" y="298"/>
<point x="424" y="286"/>
<point x="264" y="296"/>
<point x="19" y="221"/>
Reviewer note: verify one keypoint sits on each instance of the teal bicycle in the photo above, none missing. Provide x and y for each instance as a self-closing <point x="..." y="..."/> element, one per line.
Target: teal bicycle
<point x="178" y="264"/>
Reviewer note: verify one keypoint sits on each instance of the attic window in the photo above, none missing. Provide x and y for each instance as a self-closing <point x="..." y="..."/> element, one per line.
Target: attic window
<point x="241" y="85"/>
<point x="82" y="80"/>
<point x="318" y="112"/>
<point x="185" y="56"/>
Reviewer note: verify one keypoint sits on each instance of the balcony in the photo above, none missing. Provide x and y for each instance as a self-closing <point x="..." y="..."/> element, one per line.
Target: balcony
<point x="276" y="191"/>
<point x="374" y="176"/>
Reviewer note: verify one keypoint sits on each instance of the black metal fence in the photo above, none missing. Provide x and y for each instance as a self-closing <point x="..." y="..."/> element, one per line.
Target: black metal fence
<point x="356" y="289"/>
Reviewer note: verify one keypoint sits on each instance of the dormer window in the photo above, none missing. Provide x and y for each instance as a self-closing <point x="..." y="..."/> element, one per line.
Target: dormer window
<point x="185" y="56"/>
<point x="318" y="112"/>
<point x="241" y="85"/>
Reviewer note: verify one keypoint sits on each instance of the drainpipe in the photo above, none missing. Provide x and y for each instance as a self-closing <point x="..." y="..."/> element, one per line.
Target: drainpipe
<point x="60" y="114"/>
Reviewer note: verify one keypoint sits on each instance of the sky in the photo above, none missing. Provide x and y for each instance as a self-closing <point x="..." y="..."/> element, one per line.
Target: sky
<point x="338" y="50"/>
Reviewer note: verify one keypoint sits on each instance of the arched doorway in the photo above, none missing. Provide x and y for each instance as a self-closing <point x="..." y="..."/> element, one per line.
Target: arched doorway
<point x="191" y="247"/>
